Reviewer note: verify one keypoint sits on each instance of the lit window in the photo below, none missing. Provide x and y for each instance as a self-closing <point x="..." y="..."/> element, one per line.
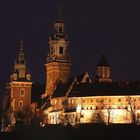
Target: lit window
<point x="55" y="101"/>
<point x="20" y="103"/>
<point x="61" y="50"/>
<point x="69" y="101"/>
<point x="72" y="101"/>
<point x="22" y="92"/>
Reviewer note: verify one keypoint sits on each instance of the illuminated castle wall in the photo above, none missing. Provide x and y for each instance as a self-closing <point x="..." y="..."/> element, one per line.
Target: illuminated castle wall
<point x="82" y="100"/>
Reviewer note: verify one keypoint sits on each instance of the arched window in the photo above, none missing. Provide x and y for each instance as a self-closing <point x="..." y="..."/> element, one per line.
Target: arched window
<point x="20" y="103"/>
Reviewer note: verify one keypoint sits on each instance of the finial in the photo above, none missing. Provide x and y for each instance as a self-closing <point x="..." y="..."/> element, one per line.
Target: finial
<point x="59" y="11"/>
<point x="21" y="44"/>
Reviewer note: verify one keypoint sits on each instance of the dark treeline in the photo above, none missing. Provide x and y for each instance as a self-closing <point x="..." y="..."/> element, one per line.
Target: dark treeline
<point x="81" y="132"/>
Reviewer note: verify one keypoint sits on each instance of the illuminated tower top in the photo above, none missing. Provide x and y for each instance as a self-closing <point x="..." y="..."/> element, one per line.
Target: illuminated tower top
<point x="20" y="67"/>
<point x="58" y="42"/>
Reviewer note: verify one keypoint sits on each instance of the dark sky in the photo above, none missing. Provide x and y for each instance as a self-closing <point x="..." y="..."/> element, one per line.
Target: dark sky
<point x="94" y="27"/>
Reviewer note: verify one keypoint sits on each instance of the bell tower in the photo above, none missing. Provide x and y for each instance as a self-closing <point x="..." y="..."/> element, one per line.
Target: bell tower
<point x="58" y="59"/>
<point x="20" y="84"/>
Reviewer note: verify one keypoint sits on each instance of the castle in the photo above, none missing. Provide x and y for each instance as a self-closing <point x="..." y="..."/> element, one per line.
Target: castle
<point x="66" y="99"/>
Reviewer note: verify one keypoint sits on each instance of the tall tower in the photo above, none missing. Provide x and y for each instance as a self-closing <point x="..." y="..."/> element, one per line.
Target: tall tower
<point x="103" y="70"/>
<point x="20" y="85"/>
<point x="58" y="60"/>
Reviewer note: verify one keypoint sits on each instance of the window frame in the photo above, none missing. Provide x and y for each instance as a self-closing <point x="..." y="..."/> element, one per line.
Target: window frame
<point x="22" y="94"/>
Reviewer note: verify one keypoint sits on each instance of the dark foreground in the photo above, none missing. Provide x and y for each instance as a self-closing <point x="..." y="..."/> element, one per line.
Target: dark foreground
<point x="82" y="132"/>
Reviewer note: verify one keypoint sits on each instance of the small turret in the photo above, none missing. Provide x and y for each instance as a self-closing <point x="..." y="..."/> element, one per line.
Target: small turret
<point x="103" y="70"/>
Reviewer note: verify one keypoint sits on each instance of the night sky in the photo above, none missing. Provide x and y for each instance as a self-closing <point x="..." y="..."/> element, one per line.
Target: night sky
<point x="94" y="27"/>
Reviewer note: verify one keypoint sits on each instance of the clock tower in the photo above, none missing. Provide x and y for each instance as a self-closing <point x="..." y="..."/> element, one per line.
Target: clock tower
<point x="20" y="84"/>
<point x="58" y="59"/>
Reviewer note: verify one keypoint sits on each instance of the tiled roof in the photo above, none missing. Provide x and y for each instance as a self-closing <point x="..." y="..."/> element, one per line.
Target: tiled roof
<point x="103" y="89"/>
<point x="62" y="88"/>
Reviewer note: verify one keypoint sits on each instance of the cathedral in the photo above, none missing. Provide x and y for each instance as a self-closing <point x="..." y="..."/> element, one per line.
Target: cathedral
<point x="65" y="99"/>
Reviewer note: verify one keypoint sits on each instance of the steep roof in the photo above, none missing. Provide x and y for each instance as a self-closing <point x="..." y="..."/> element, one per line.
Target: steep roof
<point x="103" y="89"/>
<point x="103" y="61"/>
<point x="62" y="88"/>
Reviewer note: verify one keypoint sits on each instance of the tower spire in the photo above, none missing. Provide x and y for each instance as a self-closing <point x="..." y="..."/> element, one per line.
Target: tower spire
<point x="20" y="66"/>
<point x="21" y="44"/>
<point x="21" y="54"/>
<point x="59" y="11"/>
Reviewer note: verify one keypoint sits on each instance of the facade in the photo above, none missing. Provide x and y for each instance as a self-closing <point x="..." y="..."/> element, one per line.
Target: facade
<point x="66" y="99"/>
<point x="96" y="103"/>
<point x="83" y="100"/>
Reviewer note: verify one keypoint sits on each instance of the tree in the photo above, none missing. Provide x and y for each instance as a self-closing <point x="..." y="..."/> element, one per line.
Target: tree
<point x="24" y="115"/>
<point x="131" y="109"/>
<point x="98" y="116"/>
<point x="106" y="106"/>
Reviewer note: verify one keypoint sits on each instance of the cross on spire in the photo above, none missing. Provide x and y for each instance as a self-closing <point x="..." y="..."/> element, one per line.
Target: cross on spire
<point x="59" y="11"/>
<point x="21" y="44"/>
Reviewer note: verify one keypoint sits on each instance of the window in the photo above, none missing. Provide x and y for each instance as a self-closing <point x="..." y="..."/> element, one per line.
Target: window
<point x="22" y="92"/>
<point x="12" y="93"/>
<point x="60" y="29"/>
<point x="125" y="107"/>
<point x="72" y="101"/>
<point x="119" y="100"/>
<point x="138" y="116"/>
<point x="20" y="103"/>
<point x="101" y="100"/>
<point x="83" y="101"/>
<point x="61" y="50"/>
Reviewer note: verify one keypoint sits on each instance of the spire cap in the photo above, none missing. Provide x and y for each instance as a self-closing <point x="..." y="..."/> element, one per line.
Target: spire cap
<point x="103" y="61"/>
<point x="59" y="15"/>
